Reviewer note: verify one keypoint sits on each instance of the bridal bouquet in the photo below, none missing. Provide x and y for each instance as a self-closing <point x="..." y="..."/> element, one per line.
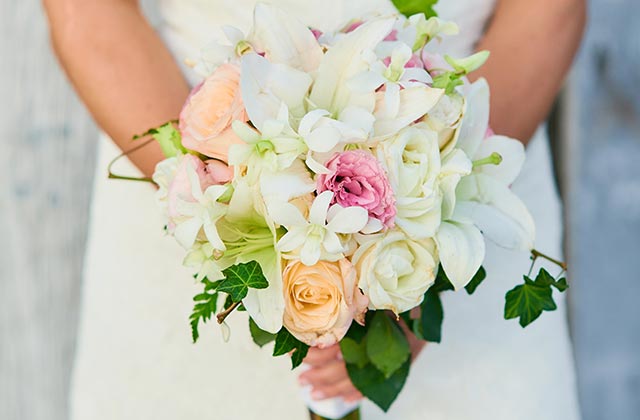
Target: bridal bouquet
<point x="333" y="184"/>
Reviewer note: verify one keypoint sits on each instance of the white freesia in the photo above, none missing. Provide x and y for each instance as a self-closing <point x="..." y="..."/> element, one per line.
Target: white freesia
<point x="266" y="86"/>
<point x="274" y="148"/>
<point x="201" y="214"/>
<point x="394" y="77"/>
<point x="164" y="173"/>
<point x="202" y="256"/>
<point x="414" y="102"/>
<point x="317" y="237"/>
<point x="395" y="271"/>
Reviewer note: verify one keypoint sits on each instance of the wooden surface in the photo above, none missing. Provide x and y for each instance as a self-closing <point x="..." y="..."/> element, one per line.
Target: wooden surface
<point x="46" y="168"/>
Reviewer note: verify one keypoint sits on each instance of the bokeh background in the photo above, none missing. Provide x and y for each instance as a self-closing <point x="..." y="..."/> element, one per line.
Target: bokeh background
<point x="47" y="148"/>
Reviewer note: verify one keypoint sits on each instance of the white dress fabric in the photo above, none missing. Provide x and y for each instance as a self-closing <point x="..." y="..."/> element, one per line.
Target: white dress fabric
<point x="135" y="359"/>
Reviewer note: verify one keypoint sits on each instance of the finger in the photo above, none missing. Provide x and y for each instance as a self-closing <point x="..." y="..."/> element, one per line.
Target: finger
<point x="353" y="396"/>
<point x="328" y="374"/>
<point x="318" y="357"/>
<point x="340" y="389"/>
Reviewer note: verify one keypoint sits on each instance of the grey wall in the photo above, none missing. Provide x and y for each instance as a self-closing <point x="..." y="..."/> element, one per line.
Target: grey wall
<point x="603" y="161"/>
<point x="46" y="164"/>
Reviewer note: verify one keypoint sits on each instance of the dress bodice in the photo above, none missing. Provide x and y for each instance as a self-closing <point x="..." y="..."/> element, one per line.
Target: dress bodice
<point x="188" y="25"/>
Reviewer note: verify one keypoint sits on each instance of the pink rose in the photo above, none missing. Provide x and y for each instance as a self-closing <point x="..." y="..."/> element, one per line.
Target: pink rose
<point x="357" y="179"/>
<point x="205" y="119"/>
<point x="321" y="301"/>
<point x="209" y="173"/>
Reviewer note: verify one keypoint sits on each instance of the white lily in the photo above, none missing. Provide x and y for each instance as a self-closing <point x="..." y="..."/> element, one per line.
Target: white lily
<point x="342" y="62"/>
<point x="284" y="39"/>
<point x="200" y="215"/>
<point x="266" y="86"/>
<point x="318" y="236"/>
<point x="461" y="249"/>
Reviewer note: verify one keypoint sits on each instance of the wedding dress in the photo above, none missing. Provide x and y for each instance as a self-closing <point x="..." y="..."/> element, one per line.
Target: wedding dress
<point x="135" y="359"/>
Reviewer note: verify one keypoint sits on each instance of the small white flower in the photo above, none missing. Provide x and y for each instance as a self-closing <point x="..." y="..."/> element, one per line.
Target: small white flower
<point x="200" y="215"/>
<point x="318" y="236"/>
<point x="203" y="258"/>
<point x="164" y="173"/>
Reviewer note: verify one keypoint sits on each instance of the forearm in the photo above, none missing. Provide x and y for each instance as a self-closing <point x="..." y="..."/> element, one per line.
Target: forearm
<point x="532" y="47"/>
<point x="119" y="67"/>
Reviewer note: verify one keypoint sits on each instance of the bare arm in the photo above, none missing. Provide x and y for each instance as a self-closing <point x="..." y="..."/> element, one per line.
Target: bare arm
<point x="532" y="46"/>
<point x="119" y="67"/>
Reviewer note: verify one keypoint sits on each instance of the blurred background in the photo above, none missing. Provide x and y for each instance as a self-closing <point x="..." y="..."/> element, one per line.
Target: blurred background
<point x="47" y="144"/>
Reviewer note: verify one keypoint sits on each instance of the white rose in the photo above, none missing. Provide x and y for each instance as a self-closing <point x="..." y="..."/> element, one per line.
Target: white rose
<point x="395" y="271"/>
<point x="412" y="160"/>
<point x="445" y="119"/>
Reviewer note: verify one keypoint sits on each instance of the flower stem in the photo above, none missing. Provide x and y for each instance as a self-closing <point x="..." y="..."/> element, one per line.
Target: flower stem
<point x="123" y="154"/>
<point x="224" y="314"/>
<point x="537" y="254"/>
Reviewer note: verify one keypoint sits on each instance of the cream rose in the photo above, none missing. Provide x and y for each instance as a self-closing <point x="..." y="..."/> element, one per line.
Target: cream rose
<point x="205" y="120"/>
<point x="412" y="160"/>
<point x="395" y="271"/>
<point x="321" y="301"/>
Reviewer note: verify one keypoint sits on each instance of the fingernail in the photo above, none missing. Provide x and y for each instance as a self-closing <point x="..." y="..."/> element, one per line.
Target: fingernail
<point x="339" y="356"/>
<point x="317" y="395"/>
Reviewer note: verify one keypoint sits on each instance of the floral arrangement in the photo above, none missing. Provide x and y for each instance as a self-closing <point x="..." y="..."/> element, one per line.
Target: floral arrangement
<point x="333" y="184"/>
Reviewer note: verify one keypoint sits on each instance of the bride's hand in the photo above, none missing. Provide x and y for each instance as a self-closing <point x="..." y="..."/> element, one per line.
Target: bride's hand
<point x="328" y="375"/>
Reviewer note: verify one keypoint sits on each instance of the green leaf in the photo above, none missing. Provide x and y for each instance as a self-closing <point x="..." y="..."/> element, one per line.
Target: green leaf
<point x="285" y="343"/>
<point x="431" y="316"/>
<point x="387" y="346"/>
<point x="354" y="352"/>
<point x="240" y="277"/>
<point x="203" y="310"/>
<point x="527" y="301"/>
<point x="476" y="280"/>
<point x="545" y="279"/>
<point x="442" y="282"/>
<point x="168" y="137"/>
<point x="411" y="7"/>
<point x="373" y="384"/>
<point x="260" y="336"/>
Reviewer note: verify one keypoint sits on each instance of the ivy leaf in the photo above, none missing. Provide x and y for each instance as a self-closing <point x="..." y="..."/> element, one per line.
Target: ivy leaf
<point x="411" y="7"/>
<point x="387" y="347"/>
<point x="546" y="279"/>
<point x="442" y="282"/>
<point x="260" y="337"/>
<point x="240" y="277"/>
<point x="373" y="384"/>
<point x="475" y="281"/>
<point x="527" y="301"/>
<point x="431" y="316"/>
<point x="285" y="343"/>
<point x="354" y="352"/>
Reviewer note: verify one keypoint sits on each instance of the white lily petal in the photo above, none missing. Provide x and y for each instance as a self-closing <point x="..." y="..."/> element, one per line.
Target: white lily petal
<point x="265" y="86"/>
<point x="372" y="226"/>
<point x="315" y="166"/>
<point x="414" y="103"/>
<point x="392" y="98"/>
<point x="343" y="61"/>
<point x="367" y="81"/>
<point x="194" y="182"/>
<point x="286" y="185"/>
<point x="483" y="189"/>
<point x="233" y="34"/>
<point x="348" y="220"/>
<point x="266" y="306"/>
<point x="245" y="132"/>
<point x="284" y="39"/>
<point x="417" y="74"/>
<point x="476" y="119"/>
<point x="319" y="208"/>
<point x="512" y="153"/>
<point x="461" y="249"/>
<point x="285" y="214"/>
<point x="358" y="118"/>
<point x="187" y="231"/>
<point x="213" y="237"/>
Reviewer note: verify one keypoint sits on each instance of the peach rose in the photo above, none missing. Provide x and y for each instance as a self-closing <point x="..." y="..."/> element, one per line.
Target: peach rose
<point x="205" y="119"/>
<point x="321" y="301"/>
